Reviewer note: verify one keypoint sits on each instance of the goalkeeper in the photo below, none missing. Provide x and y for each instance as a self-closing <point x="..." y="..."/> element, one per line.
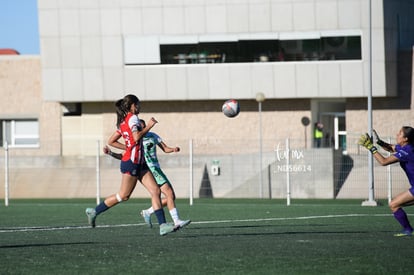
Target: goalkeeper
<point x="403" y="152"/>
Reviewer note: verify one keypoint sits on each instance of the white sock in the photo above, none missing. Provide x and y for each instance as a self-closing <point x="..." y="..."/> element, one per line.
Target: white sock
<point x="174" y="215"/>
<point x="150" y="210"/>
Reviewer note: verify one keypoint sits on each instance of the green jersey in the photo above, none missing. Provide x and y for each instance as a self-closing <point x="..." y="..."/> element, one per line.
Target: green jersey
<point x="150" y="143"/>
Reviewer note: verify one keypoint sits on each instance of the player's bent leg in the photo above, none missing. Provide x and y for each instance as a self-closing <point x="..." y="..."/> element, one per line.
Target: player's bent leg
<point x="127" y="186"/>
<point x="149" y="182"/>
<point x="153" y="189"/>
<point x="401" y="200"/>
<point x="400" y="215"/>
<point x="164" y="202"/>
<point x="169" y="195"/>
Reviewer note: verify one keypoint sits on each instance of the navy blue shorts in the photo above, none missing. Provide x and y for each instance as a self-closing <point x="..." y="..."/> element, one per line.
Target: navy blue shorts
<point x="134" y="169"/>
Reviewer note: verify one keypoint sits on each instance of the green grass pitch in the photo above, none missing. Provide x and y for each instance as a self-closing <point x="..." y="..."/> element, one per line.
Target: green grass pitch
<point x="234" y="236"/>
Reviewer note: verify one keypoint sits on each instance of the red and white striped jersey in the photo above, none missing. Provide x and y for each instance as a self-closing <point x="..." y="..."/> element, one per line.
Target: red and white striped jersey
<point x="133" y="149"/>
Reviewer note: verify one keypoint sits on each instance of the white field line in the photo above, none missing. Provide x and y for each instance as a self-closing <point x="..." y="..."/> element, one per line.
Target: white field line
<point x="49" y="228"/>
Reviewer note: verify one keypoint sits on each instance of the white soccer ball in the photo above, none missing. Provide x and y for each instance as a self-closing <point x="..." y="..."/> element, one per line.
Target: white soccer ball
<point x="231" y="108"/>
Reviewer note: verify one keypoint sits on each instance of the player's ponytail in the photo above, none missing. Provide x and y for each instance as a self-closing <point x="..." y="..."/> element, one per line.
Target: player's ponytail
<point x="120" y="112"/>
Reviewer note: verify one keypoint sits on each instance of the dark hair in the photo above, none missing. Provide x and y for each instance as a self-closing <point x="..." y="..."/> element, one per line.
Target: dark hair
<point x="120" y="112"/>
<point x="142" y="122"/>
<point x="409" y="134"/>
<point x="128" y="100"/>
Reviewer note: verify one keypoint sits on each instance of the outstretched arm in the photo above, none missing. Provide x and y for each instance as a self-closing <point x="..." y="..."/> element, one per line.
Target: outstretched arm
<point x="384" y="161"/>
<point x="112" y="154"/>
<point x="168" y="149"/>
<point x="386" y="146"/>
<point x="366" y="141"/>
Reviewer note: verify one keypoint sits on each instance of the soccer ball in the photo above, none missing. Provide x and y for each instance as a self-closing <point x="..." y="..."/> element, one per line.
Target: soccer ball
<point x="231" y="108"/>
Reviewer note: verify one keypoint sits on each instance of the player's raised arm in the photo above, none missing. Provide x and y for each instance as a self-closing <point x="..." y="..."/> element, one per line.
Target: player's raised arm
<point x="386" y="146"/>
<point x="168" y="149"/>
<point x="366" y="141"/>
<point x="137" y="135"/>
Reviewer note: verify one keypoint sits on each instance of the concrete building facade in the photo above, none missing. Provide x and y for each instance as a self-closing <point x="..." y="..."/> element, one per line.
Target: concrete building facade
<point x="95" y="52"/>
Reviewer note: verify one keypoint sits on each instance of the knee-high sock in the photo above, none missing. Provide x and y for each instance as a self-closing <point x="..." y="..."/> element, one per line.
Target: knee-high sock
<point x="160" y="215"/>
<point x="102" y="207"/>
<point x="401" y="217"/>
<point x="174" y="215"/>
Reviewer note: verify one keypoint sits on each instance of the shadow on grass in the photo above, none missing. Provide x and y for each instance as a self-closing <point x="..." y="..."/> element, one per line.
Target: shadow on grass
<point x="276" y="233"/>
<point x="189" y="231"/>
<point x="43" y="244"/>
<point x="257" y="226"/>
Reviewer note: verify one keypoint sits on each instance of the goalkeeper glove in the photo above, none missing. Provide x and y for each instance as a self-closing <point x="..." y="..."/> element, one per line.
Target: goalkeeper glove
<point x="366" y="141"/>
<point x="382" y="143"/>
<point x="378" y="140"/>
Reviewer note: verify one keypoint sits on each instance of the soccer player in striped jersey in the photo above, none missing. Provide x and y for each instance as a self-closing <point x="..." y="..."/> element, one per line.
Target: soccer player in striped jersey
<point x="150" y="142"/>
<point x="133" y="165"/>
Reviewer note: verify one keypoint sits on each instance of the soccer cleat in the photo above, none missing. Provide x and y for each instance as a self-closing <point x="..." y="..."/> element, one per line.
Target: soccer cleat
<point x="147" y="218"/>
<point x="166" y="228"/>
<point x="181" y="224"/>
<point x="404" y="233"/>
<point x="91" y="214"/>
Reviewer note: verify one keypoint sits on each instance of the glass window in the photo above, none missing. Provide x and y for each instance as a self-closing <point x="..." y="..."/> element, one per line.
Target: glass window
<point x="259" y="50"/>
<point x="20" y="133"/>
<point x="341" y="47"/>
